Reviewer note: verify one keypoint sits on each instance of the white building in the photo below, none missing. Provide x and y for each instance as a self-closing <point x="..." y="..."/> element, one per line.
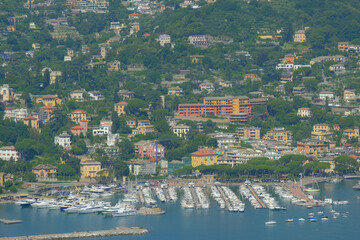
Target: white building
<point x="164" y="39"/>
<point x="63" y="140"/>
<point x="96" y="96"/>
<point x="16" y="114"/>
<point x="101" y="130"/>
<point x="6" y="92"/>
<point x="112" y="139"/>
<point x="290" y="66"/>
<point x="8" y="153"/>
<point x="181" y="130"/>
<point x="326" y="95"/>
<point x="304" y="112"/>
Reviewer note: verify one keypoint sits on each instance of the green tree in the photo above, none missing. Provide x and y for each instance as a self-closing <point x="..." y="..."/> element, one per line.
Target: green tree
<point x="345" y="164"/>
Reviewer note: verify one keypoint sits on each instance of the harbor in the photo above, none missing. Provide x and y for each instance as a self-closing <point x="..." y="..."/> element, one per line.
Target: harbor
<point x="236" y="205"/>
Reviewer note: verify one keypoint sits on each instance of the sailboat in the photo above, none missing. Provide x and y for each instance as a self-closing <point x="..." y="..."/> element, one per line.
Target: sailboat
<point x="270" y="222"/>
<point x="312" y="189"/>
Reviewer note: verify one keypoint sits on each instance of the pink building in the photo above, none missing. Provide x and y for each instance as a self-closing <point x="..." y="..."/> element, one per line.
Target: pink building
<point x="147" y="149"/>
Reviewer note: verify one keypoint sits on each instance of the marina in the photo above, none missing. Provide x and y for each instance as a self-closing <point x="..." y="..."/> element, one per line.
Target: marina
<point x="333" y="215"/>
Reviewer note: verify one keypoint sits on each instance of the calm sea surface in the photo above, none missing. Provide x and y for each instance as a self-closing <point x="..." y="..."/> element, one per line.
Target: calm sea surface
<point x="180" y="223"/>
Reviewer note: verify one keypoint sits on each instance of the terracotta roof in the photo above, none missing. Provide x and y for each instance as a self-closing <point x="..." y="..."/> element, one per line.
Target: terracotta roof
<point x="204" y="153"/>
<point x="30" y="118"/>
<point x="48" y="96"/>
<point x="44" y="166"/>
<point x="77" y="128"/>
<point x="122" y="103"/>
<point x="78" y="111"/>
<point x="48" y="107"/>
<point x="354" y="156"/>
<point x="349" y="131"/>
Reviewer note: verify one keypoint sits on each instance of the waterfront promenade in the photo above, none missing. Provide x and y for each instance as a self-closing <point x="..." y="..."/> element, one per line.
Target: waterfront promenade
<point x="90" y="234"/>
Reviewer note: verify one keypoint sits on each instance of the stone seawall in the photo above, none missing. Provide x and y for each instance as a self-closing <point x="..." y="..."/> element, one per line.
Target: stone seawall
<point x="90" y="234"/>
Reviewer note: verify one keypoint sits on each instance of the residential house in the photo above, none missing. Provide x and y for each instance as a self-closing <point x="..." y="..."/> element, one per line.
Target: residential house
<point x="45" y="113"/>
<point x="45" y="170"/>
<point x="131" y="123"/>
<point x="141" y="167"/>
<point x="181" y="130"/>
<point x="196" y="58"/>
<point x="96" y="96"/>
<point x="31" y="122"/>
<point x="4" y="177"/>
<point x="8" y="153"/>
<point x="300" y="36"/>
<point x="89" y="168"/>
<point x="49" y="100"/>
<point x="116" y="25"/>
<point x="203" y="157"/>
<point x="85" y="49"/>
<point x="112" y="139"/>
<point x="78" y="115"/>
<point x="304" y="112"/>
<point x="78" y="95"/>
<point x="54" y="75"/>
<point x="149" y="149"/>
<point x="349" y="95"/>
<point x="114" y="66"/>
<point x="312" y="147"/>
<point x="63" y="140"/>
<point x="120" y="108"/>
<point x="298" y="91"/>
<point x="223" y="83"/>
<point x="144" y="127"/>
<point x="280" y="135"/>
<point x="126" y="94"/>
<point x="289" y="58"/>
<point x="321" y="132"/>
<point x="248" y="133"/>
<point x="323" y="95"/>
<point x="15" y="114"/>
<point x="207" y="86"/>
<point x="239" y="156"/>
<point x="78" y="130"/>
<point x="322" y="59"/>
<point x="175" y="91"/>
<point x="135" y="27"/>
<point x="286" y="77"/>
<point x="36" y="46"/>
<point x="337" y="68"/>
<point x="67" y="58"/>
<point x="164" y="39"/>
<point x="101" y="130"/>
<point x="7" y="93"/>
<point x="252" y="77"/>
<point x="351" y="133"/>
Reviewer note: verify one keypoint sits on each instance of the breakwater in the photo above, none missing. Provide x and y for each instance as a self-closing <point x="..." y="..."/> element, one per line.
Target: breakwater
<point x="90" y="234"/>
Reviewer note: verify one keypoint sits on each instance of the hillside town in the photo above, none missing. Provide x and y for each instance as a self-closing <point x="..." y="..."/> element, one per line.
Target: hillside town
<point x="107" y="91"/>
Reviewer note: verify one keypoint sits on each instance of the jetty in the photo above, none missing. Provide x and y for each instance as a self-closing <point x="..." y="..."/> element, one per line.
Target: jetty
<point x="195" y="198"/>
<point x="151" y="211"/>
<point x="141" y="196"/>
<point x="6" y="221"/>
<point x="227" y="202"/>
<point x="256" y="196"/>
<point x="90" y="234"/>
<point x="295" y="189"/>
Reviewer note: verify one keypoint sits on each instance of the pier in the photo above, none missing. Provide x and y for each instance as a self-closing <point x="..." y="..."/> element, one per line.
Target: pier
<point x="6" y="221"/>
<point x="295" y="189"/>
<point x="141" y="196"/>
<point x="256" y="196"/>
<point x="195" y="198"/>
<point x="90" y="234"/>
<point x="227" y="203"/>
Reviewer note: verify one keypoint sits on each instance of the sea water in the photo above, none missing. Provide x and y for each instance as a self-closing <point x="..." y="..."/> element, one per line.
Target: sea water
<point x="210" y="223"/>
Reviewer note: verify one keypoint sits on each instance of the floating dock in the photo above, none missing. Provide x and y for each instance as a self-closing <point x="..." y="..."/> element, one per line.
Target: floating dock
<point x="91" y="234"/>
<point x="256" y="196"/>
<point x="227" y="202"/>
<point x="6" y="221"/>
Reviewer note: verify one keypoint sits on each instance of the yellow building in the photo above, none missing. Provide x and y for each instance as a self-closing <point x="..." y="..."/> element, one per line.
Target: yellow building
<point x="248" y="133"/>
<point x="120" y="108"/>
<point x="31" y="122"/>
<point x="321" y="131"/>
<point x="279" y="134"/>
<point x="49" y="100"/>
<point x="36" y="46"/>
<point x="203" y="157"/>
<point x="89" y="168"/>
<point x="300" y="36"/>
<point x="351" y="133"/>
<point x="78" y="115"/>
<point x="239" y="104"/>
<point x="114" y="66"/>
<point x="164" y="39"/>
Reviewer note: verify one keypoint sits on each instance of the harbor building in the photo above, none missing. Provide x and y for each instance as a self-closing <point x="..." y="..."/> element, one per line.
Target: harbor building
<point x="204" y="157"/>
<point x="45" y="170"/>
<point x="89" y="168"/>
